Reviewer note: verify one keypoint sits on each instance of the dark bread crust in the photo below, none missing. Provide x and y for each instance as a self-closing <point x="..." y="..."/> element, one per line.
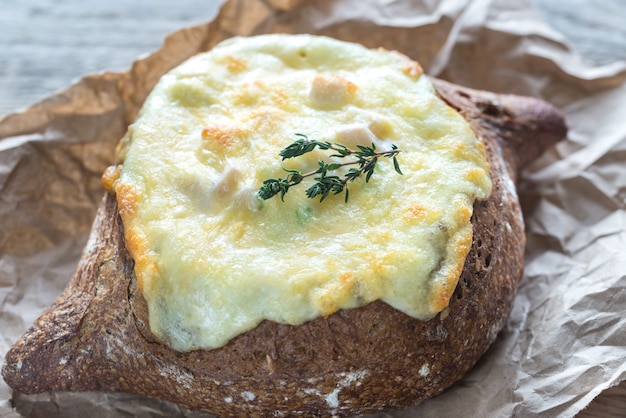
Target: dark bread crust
<point x="95" y="336"/>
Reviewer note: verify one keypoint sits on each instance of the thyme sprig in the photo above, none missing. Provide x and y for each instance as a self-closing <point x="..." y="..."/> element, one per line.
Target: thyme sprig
<point x="364" y="158"/>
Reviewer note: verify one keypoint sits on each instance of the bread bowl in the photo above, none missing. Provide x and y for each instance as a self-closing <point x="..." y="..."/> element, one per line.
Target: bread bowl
<point x="344" y="361"/>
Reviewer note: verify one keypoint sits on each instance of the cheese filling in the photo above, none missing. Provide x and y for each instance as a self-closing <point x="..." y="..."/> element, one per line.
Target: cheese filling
<point x="213" y="260"/>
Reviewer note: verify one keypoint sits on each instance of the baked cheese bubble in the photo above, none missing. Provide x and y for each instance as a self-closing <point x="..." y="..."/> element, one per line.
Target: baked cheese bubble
<point x="213" y="259"/>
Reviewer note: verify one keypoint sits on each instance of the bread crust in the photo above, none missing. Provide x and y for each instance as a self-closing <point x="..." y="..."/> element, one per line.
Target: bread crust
<point x="96" y="337"/>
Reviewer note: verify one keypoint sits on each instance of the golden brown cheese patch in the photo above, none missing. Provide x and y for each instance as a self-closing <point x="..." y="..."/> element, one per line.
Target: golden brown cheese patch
<point x="213" y="259"/>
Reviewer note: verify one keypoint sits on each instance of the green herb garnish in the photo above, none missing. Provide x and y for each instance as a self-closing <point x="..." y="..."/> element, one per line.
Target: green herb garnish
<point x="365" y="158"/>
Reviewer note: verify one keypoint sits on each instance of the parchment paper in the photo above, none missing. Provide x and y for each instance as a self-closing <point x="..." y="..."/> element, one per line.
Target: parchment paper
<point x="565" y="341"/>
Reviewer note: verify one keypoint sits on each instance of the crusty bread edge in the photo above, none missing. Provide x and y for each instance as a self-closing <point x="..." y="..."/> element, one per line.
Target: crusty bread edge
<point x="93" y="339"/>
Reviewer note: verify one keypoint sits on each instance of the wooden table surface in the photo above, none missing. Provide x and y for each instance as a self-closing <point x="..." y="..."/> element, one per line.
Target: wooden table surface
<point x="45" y="45"/>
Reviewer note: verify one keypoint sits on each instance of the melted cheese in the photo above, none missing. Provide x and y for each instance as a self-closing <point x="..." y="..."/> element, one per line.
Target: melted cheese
<point x="213" y="260"/>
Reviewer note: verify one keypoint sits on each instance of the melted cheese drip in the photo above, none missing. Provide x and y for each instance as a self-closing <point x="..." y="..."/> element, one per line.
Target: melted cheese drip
<point x="213" y="260"/>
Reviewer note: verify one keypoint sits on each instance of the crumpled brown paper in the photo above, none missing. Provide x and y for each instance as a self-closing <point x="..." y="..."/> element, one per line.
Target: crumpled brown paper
<point x="565" y="341"/>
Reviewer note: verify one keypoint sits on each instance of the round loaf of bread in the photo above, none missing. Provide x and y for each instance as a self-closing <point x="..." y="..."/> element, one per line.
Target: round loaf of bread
<point x="373" y="357"/>
<point x="97" y="336"/>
